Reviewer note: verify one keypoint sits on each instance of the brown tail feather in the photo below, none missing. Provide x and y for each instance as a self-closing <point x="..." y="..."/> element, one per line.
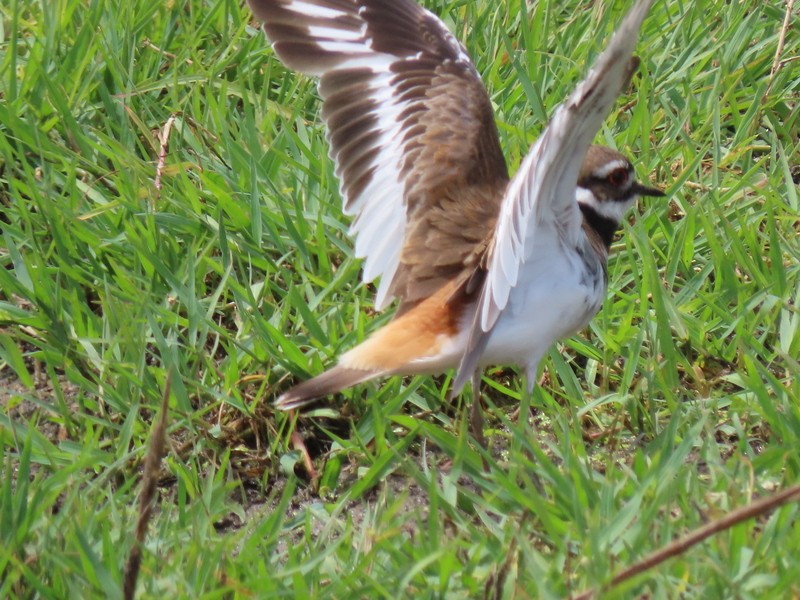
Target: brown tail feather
<point x="331" y="381"/>
<point x="418" y="333"/>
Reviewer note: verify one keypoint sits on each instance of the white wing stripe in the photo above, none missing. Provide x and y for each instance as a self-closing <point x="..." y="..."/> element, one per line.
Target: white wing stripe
<point x="381" y="219"/>
<point x="307" y="8"/>
<point x="333" y="33"/>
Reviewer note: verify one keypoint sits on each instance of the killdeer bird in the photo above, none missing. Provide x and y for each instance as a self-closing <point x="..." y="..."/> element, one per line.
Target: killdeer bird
<point x="486" y="269"/>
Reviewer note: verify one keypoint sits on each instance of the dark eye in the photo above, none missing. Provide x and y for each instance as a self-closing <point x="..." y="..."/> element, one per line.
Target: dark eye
<point x="618" y="177"/>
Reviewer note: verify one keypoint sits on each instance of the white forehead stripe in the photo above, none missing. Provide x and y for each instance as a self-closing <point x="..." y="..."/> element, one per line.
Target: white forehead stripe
<point x="610" y="167"/>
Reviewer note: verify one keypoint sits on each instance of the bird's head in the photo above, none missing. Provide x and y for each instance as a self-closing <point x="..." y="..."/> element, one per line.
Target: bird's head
<point x="607" y="188"/>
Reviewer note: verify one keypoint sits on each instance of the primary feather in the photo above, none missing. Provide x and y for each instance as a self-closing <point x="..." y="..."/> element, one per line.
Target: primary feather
<point x="411" y="131"/>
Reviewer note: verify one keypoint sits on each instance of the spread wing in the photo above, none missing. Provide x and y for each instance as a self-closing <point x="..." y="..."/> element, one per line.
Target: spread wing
<point x="543" y="190"/>
<point x="411" y="130"/>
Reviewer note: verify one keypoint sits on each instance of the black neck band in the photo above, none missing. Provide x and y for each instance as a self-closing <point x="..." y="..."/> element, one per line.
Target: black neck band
<point x="605" y="227"/>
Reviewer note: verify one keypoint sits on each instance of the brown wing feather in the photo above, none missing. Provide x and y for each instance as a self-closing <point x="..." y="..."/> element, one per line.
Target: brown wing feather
<point x="411" y="130"/>
<point x="453" y="207"/>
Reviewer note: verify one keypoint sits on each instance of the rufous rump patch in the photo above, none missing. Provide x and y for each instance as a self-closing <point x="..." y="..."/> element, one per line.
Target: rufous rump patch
<point x="419" y="333"/>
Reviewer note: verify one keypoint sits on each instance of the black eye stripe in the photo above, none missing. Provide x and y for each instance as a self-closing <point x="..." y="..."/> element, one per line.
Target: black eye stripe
<point x="605" y="191"/>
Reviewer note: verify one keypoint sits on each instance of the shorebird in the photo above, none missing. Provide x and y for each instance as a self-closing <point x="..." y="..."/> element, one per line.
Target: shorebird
<point x="486" y="269"/>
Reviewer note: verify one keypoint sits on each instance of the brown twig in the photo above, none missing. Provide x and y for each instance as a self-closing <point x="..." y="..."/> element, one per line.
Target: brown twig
<point x="777" y="63"/>
<point x="148" y="44"/>
<point x="147" y="493"/>
<point x="163" y="142"/>
<point x="676" y="547"/>
<point x="299" y="445"/>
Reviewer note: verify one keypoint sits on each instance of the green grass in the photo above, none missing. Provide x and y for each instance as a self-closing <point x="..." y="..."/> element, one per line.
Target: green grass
<point x="679" y="403"/>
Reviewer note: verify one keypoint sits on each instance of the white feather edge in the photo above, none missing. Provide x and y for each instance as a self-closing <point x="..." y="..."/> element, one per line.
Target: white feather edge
<point x="380" y="209"/>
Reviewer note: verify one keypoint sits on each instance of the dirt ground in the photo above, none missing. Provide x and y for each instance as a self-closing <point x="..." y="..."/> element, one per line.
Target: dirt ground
<point x="257" y="498"/>
<point x="21" y="403"/>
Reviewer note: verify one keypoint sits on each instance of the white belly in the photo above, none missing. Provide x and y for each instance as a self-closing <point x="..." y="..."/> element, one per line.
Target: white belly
<point x="556" y="295"/>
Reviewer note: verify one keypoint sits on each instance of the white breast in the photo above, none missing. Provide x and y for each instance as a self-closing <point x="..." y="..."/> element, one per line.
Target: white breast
<point x="559" y="290"/>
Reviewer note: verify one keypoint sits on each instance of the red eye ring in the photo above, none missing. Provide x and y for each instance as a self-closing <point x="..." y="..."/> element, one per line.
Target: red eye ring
<point x="618" y="177"/>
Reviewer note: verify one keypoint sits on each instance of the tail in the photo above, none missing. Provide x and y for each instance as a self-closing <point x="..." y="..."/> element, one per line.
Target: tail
<point x="420" y="333"/>
<point x="331" y="381"/>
